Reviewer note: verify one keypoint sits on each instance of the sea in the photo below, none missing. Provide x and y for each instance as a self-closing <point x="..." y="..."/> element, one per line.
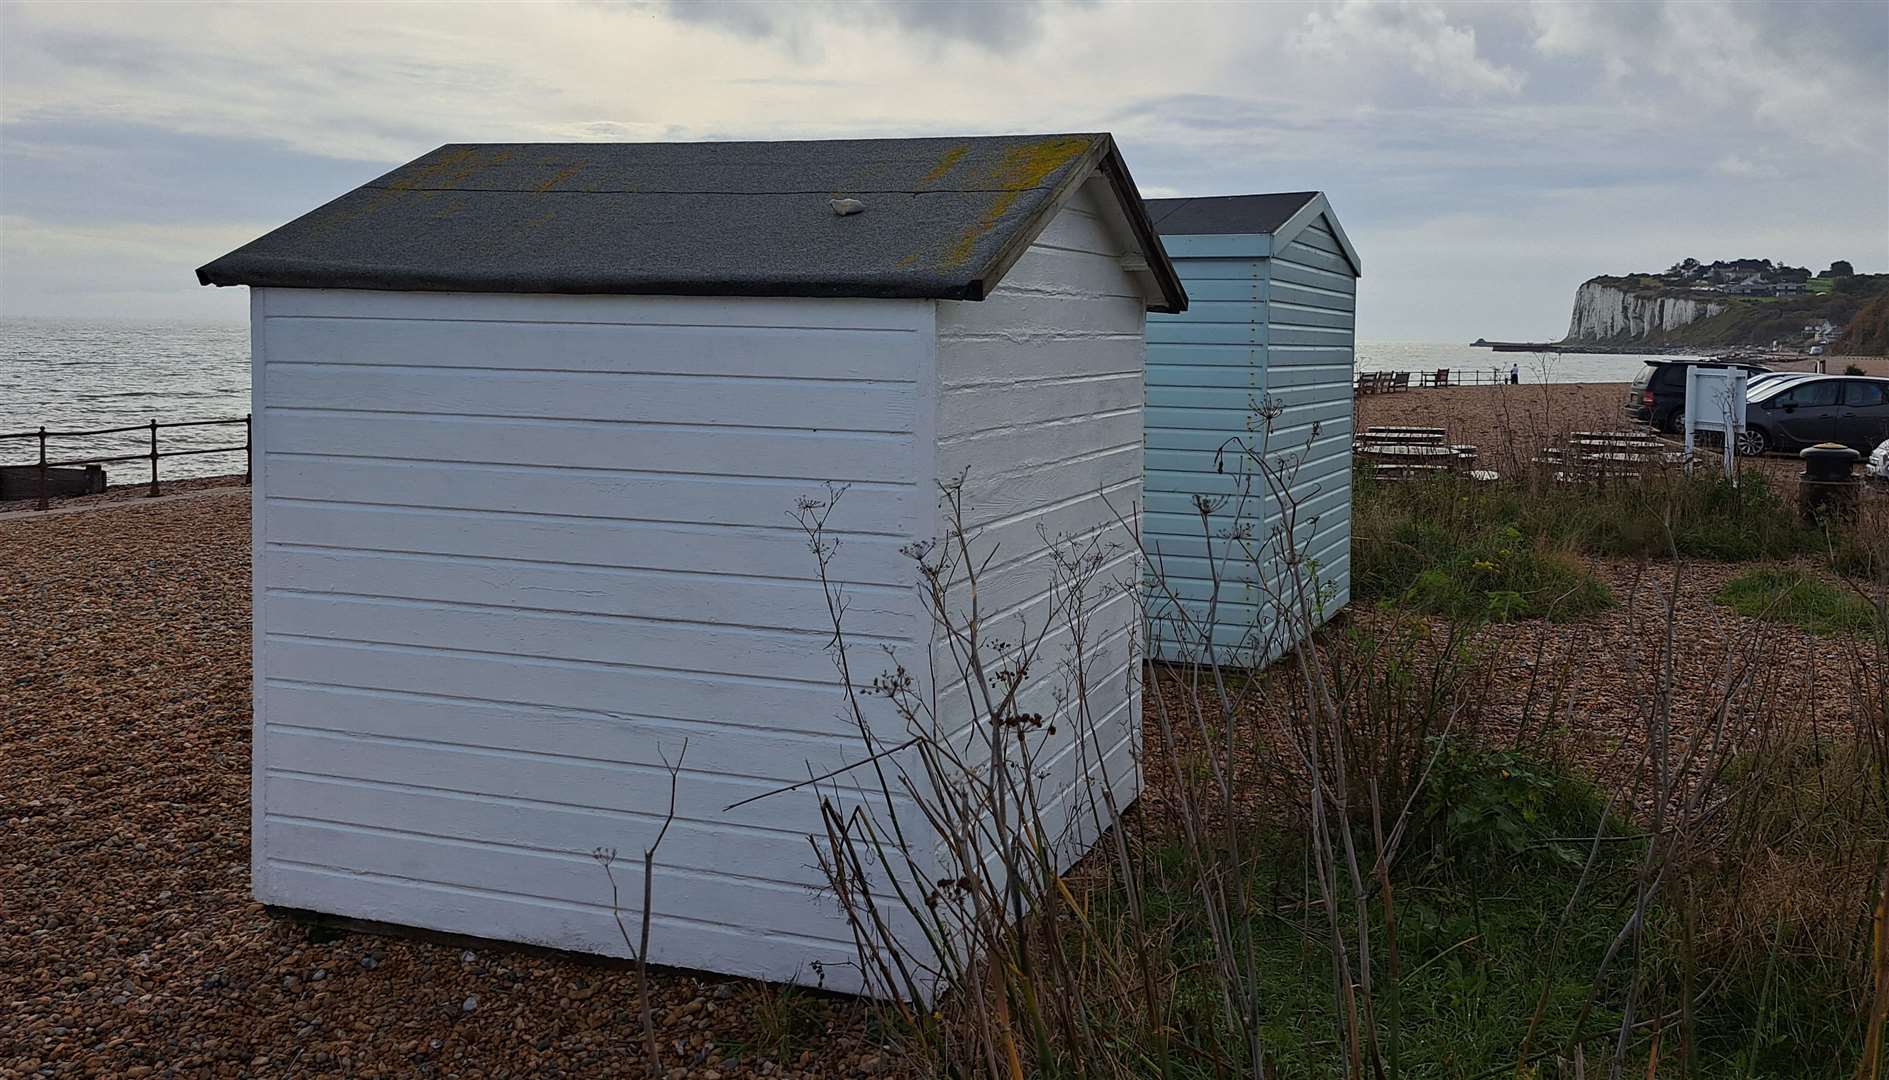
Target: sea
<point x="70" y="375"/>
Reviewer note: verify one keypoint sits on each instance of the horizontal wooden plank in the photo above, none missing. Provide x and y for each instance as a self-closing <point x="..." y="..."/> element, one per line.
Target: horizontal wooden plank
<point x="1322" y="336"/>
<point x="679" y="498"/>
<point x="556" y="395"/>
<point x="1251" y="289"/>
<point x="640" y="789"/>
<point x="1014" y="604"/>
<point x="744" y="452"/>
<point x="1321" y="510"/>
<point x="736" y="950"/>
<point x="1070" y="273"/>
<point x="807" y="708"/>
<point x="1029" y="315"/>
<point x="1217" y="245"/>
<point x="1076" y="230"/>
<point x="807" y="352"/>
<point x="698" y="311"/>
<point x="1176" y="505"/>
<point x="1007" y="516"/>
<point x="1318" y="234"/>
<point x="1331" y="452"/>
<point x="1237" y="311"/>
<point x="753" y="751"/>
<point x="1285" y="313"/>
<point x="704" y="894"/>
<point x="1235" y="268"/>
<point x="1297" y="274"/>
<point x="569" y="636"/>
<point x="774" y="852"/>
<point x="990" y="406"/>
<point x="1283" y="438"/>
<point x="1288" y="292"/>
<point x="993" y="359"/>
<point x="1333" y="378"/>
<point x="776" y="551"/>
<point x="1189" y="333"/>
<point x="1037" y="445"/>
<point x="732" y="599"/>
<point x="1297" y="405"/>
<point x="1303" y="254"/>
<point x="1223" y="378"/>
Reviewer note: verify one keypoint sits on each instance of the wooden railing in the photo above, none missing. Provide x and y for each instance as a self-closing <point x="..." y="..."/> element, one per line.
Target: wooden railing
<point x="152" y="455"/>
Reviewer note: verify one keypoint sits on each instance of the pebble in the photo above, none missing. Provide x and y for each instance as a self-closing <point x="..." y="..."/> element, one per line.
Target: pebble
<point x="127" y="812"/>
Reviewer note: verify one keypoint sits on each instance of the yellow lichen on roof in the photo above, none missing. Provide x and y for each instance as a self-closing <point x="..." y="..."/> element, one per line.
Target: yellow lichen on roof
<point x="422" y="179"/>
<point x="559" y="177"/>
<point x="1020" y="169"/>
<point x="945" y="165"/>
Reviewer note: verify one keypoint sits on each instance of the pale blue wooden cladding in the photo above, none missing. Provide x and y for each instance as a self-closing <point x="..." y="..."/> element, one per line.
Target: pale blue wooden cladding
<point x="1264" y="355"/>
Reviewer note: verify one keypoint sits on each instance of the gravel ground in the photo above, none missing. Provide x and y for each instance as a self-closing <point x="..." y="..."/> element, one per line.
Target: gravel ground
<point x="129" y="945"/>
<point x="128" y="942"/>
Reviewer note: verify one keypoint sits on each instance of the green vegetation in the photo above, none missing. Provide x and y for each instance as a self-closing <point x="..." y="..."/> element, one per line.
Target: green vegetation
<point x="1451" y="546"/>
<point x="1801" y="600"/>
<point x="1820" y="285"/>
<point x="1761" y="320"/>
<point x="1499" y="919"/>
<point x="1867" y="334"/>
<point x="1493" y="573"/>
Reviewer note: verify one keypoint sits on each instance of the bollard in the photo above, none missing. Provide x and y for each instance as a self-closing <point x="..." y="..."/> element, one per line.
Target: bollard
<point x="153" y="490"/>
<point x="1827" y="490"/>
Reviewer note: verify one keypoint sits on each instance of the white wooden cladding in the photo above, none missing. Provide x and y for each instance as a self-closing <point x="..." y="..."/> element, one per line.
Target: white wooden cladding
<point x="1052" y="449"/>
<point x="510" y="551"/>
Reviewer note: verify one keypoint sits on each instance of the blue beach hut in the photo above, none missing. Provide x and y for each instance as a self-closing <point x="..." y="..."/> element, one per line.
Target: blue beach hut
<point x="1264" y="352"/>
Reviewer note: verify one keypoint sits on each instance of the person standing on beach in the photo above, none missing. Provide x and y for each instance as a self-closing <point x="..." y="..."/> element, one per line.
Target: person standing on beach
<point x="1515" y="374"/>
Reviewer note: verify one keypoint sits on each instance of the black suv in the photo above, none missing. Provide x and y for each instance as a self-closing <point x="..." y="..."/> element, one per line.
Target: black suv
<point x="1658" y="395"/>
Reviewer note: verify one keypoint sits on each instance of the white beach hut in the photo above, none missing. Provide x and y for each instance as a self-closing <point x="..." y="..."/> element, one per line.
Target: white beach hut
<point x="530" y="421"/>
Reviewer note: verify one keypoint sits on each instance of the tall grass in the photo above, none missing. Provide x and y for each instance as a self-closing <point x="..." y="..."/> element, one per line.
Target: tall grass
<point x="1364" y="861"/>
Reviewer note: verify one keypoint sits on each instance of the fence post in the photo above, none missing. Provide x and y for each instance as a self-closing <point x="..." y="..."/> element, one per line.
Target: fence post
<point x="153" y="490"/>
<point x="249" y="458"/>
<point x="42" y="468"/>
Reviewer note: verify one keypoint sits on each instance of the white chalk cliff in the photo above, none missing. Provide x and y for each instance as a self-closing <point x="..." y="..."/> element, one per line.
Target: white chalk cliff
<point x="1604" y="312"/>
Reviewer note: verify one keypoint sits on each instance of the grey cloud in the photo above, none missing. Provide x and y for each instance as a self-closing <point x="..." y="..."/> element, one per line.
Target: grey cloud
<point x="1000" y="27"/>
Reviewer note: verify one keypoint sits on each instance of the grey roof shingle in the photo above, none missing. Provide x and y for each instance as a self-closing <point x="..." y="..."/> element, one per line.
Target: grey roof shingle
<point x="943" y="218"/>
<point x="1227" y="214"/>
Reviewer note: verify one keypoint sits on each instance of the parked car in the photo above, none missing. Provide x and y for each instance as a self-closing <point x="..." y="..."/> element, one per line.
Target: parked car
<point x="1876" y="470"/>
<point x="1658" y="396"/>
<point x="1850" y="410"/>
<point x="1772" y="378"/>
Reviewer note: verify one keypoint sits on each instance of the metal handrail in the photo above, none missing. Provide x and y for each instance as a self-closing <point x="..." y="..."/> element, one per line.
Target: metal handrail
<point x="153" y="455"/>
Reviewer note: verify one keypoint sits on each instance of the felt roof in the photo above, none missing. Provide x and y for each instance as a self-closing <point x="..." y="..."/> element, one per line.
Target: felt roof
<point x="938" y="218"/>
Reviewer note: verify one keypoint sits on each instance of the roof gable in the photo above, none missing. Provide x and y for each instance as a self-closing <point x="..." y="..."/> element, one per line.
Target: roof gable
<point x="937" y="218"/>
<point x="1280" y="215"/>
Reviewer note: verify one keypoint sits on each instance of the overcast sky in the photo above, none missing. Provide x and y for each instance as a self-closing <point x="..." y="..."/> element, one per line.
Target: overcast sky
<point x="1484" y="158"/>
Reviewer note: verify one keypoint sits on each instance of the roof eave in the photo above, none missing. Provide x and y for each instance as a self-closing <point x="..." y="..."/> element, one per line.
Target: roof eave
<point x="226" y="272"/>
<point x="1310" y="212"/>
<point x="1159" y="265"/>
<point x="1106" y="158"/>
